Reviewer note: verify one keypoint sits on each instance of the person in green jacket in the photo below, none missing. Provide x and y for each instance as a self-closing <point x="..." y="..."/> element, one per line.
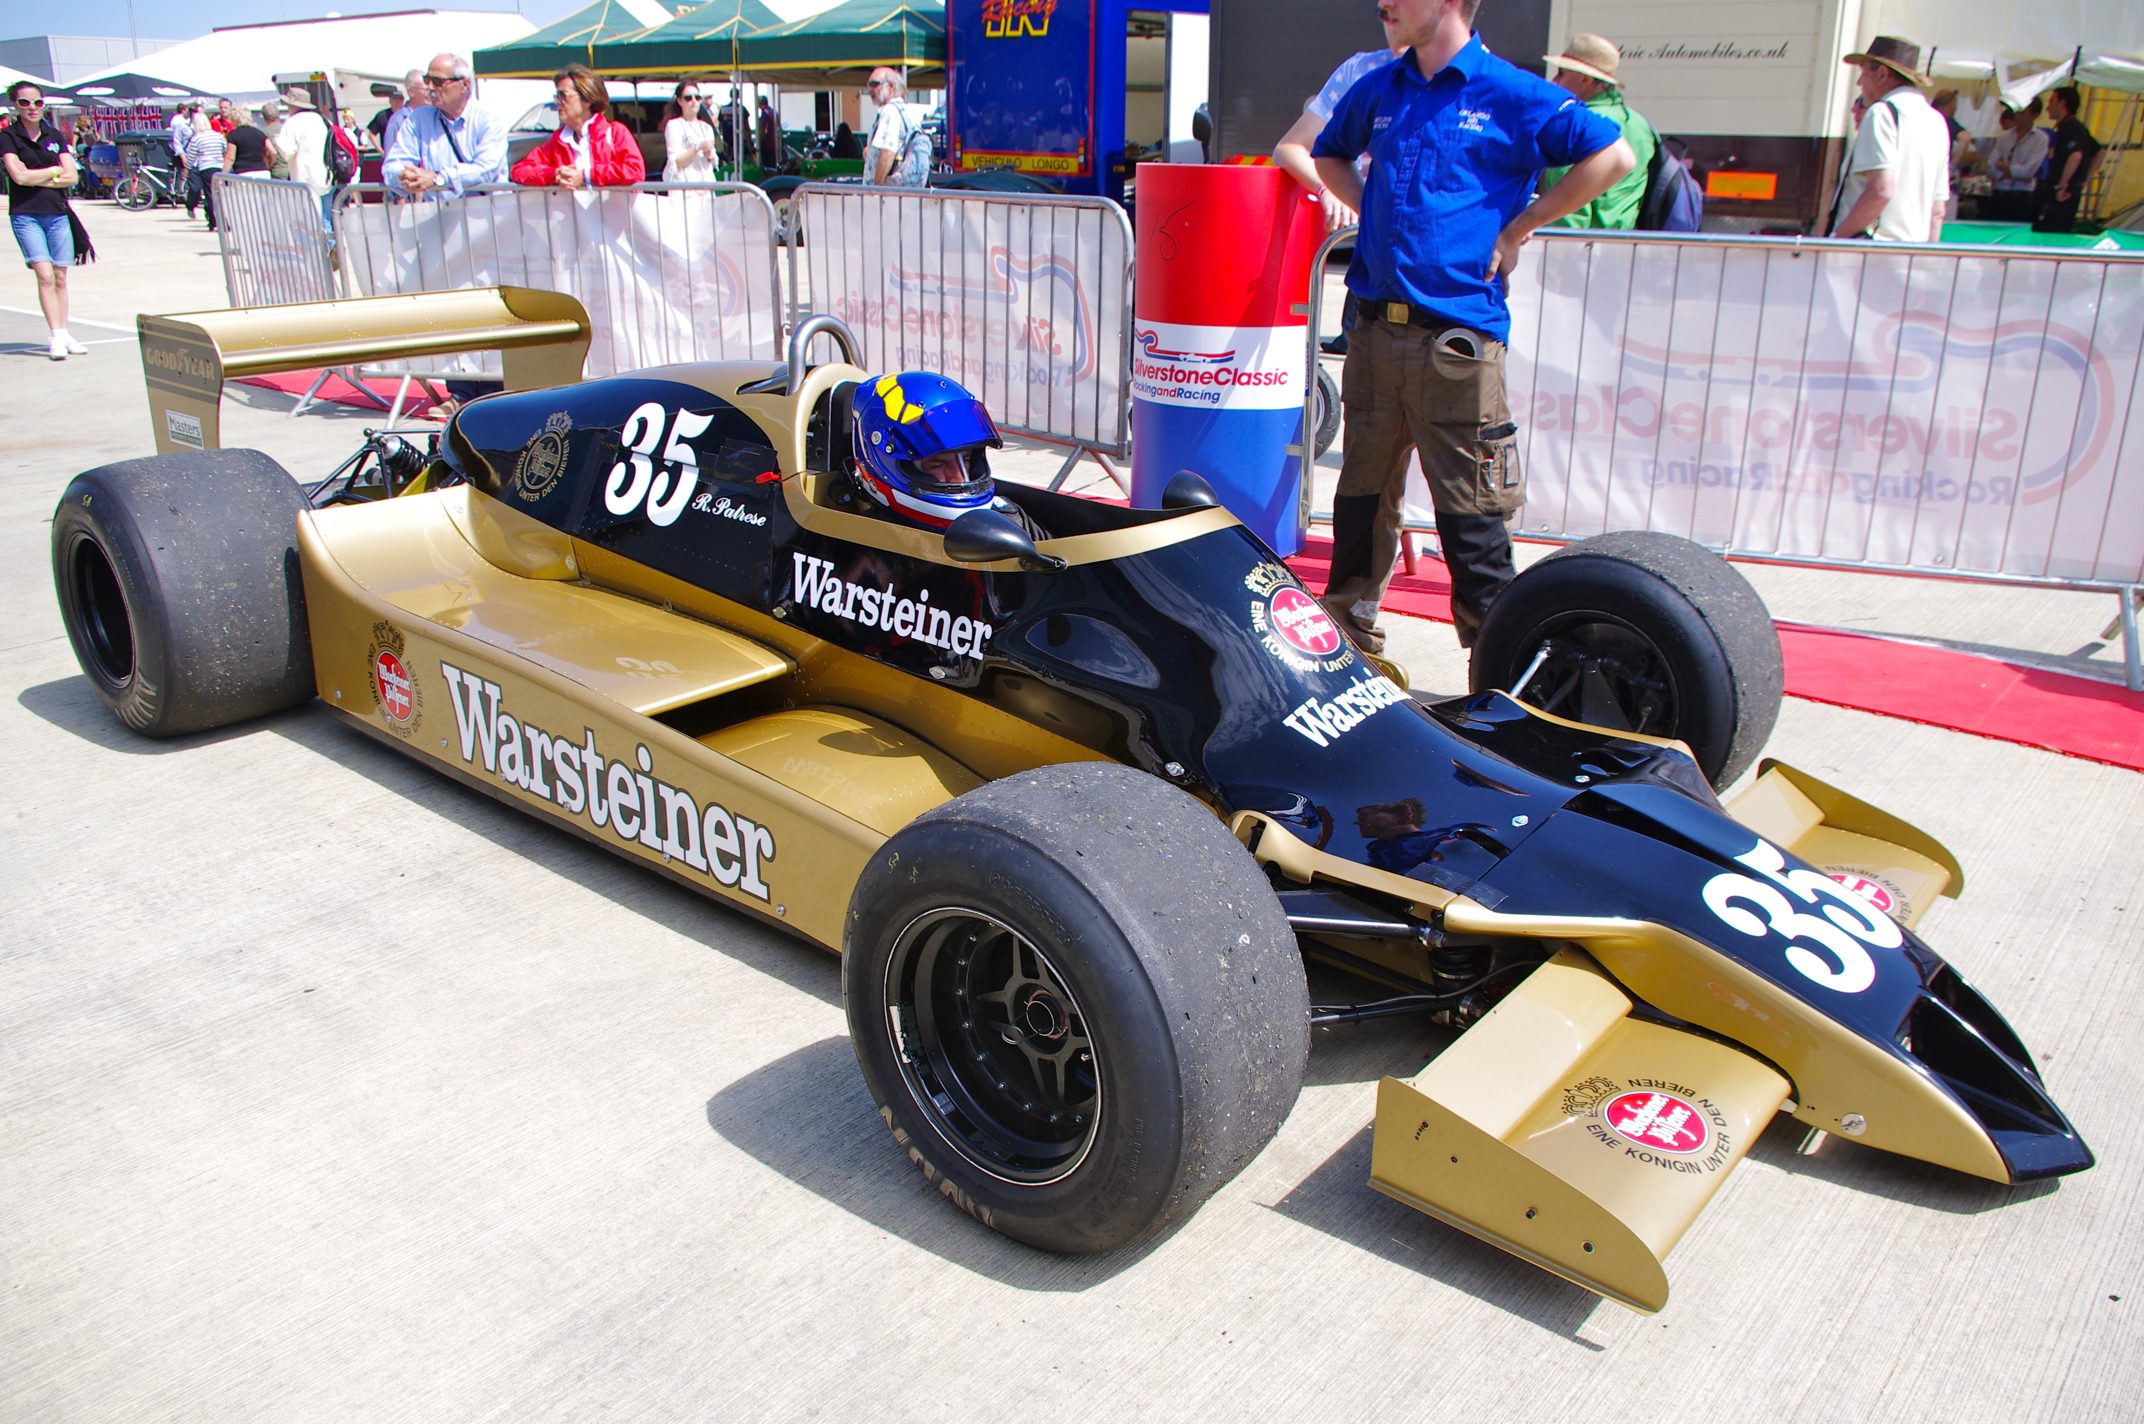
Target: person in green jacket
<point x="1587" y="68"/>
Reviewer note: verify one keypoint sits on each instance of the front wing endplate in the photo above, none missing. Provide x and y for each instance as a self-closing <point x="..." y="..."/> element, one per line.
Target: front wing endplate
<point x="1572" y="1135"/>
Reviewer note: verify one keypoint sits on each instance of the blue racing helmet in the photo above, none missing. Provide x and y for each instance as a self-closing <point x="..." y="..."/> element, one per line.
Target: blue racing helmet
<point x="913" y="419"/>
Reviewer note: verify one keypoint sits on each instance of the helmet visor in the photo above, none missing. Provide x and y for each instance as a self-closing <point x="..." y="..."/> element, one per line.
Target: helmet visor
<point x="949" y="474"/>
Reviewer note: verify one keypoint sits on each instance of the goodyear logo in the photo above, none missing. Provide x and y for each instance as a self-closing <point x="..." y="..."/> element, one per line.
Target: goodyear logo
<point x="1016" y="19"/>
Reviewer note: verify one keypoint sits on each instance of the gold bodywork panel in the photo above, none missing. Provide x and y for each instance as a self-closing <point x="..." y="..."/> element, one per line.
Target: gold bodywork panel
<point x="1572" y="1135"/>
<point x="867" y="769"/>
<point x="1899" y="867"/>
<point x="458" y="690"/>
<point x="530" y="662"/>
<point x="417" y="554"/>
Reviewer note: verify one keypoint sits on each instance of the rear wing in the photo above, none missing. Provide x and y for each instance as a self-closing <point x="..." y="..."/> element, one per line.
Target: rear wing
<point x="542" y="339"/>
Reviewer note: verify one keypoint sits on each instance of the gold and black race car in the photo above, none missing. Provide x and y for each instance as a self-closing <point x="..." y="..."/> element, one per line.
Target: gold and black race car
<point x="1074" y="809"/>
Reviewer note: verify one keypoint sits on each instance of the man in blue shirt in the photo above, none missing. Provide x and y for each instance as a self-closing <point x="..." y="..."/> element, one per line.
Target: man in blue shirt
<point x="1456" y="138"/>
<point x="450" y="144"/>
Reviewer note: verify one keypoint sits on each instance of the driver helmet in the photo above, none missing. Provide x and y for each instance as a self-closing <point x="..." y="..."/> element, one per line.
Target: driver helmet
<point x="920" y="446"/>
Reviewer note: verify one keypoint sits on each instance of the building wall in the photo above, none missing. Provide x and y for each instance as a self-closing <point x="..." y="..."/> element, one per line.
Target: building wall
<point x="67" y="58"/>
<point x="1268" y="56"/>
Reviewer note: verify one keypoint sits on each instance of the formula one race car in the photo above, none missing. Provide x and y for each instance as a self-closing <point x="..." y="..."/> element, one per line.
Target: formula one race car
<point x="1074" y="808"/>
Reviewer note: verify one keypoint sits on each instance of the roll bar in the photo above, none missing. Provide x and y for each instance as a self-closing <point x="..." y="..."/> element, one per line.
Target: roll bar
<point x="819" y="324"/>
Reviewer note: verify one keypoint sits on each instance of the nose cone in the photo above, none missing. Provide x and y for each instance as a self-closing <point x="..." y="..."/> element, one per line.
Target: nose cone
<point x="1965" y="1045"/>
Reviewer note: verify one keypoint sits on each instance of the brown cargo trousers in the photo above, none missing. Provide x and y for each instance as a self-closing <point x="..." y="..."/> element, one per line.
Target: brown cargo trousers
<point x="1439" y="389"/>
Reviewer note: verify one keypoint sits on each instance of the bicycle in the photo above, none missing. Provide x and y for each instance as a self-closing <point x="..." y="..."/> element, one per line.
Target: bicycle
<point x="144" y="185"/>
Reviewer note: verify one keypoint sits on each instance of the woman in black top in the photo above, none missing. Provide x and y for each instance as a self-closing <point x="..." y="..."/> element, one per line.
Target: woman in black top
<point x="249" y="147"/>
<point x="40" y="169"/>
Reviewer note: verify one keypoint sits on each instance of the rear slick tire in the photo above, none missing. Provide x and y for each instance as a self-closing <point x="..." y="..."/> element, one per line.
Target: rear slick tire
<point x="178" y="585"/>
<point x="1077" y="1003"/>
<point x="1640" y="632"/>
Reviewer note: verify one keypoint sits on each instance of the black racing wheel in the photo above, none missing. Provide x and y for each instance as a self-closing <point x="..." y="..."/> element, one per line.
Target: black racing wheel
<point x="178" y="584"/>
<point x="1077" y="1002"/>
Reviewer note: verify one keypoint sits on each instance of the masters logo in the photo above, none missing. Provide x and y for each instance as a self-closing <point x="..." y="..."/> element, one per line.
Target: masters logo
<point x="394" y="692"/>
<point x="536" y="472"/>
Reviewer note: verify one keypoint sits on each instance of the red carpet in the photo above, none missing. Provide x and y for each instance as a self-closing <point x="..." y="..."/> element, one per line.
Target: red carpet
<point x="341" y="392"/>
<point x="1940" y="687"/>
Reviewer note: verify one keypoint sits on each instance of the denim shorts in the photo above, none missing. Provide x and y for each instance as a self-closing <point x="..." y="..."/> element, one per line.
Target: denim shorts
<point x="44" y="237"/>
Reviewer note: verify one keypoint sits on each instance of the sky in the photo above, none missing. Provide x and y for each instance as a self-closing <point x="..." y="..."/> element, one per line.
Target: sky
<point x="188" y="19"/>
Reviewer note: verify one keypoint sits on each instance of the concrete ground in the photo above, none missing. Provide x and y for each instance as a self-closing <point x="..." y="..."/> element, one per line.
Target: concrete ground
<point x="329" y="1089"/>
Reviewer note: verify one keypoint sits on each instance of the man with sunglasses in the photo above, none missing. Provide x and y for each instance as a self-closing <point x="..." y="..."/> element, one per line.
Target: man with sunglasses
<point x="899" y="154"/>
<point x="40" y="169"/>
<point x="451" y="144"/>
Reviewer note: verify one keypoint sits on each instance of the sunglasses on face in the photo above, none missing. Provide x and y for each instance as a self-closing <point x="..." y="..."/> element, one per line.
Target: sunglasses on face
<point x="440" y="81"/>
<point x="688" y="98"/>
<point x="29" y="103"/>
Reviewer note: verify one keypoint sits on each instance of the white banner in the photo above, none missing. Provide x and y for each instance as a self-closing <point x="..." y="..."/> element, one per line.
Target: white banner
<point x="684" y="274"/>
<point x="1022" y="299"/>
<point x="1936" y="411"/>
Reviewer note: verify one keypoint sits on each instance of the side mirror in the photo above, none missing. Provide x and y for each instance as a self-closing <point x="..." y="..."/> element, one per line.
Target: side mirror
<point x="1187" y="489"/>
<point x="984" y="536"/>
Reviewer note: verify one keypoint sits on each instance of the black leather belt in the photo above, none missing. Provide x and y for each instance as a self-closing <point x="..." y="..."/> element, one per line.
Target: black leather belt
<point x="1459" y="338"/>
<point x="1401" y="314"/>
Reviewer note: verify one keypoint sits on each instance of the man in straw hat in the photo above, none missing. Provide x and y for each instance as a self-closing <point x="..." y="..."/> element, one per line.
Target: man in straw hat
<point x="302" y="144"/>
<point x="1587" y="68"/>
<point x="1895" y="185"/>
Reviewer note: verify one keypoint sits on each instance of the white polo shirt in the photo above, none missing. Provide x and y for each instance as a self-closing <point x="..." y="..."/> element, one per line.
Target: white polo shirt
<point x="1902" y="134"/>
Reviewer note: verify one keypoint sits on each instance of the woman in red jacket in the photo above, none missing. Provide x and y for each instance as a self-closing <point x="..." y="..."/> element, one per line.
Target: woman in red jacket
<point x="590" y="149"/>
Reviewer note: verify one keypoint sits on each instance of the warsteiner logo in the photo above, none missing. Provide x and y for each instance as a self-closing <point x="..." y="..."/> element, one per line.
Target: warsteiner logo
<point x="1652" y="1122"/>
<point x="395" y="694"/>
<point x="536" y="472"/>
<point x="1291" y="625"/>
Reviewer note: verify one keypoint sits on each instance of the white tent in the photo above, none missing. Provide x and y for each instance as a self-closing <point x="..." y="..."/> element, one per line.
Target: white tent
<point x="241" y="60"/>
<point x="2020" y="47"/>
<point x="9" y="74"/>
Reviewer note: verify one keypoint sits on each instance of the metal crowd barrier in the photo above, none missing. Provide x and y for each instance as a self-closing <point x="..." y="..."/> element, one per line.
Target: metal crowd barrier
<point x="1941" y="410"/>
<point x="274" y="247"/>
<point x="668" y="272"/>
<point x="1023" y="298"/>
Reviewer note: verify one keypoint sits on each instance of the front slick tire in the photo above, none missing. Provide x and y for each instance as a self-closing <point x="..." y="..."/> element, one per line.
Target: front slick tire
<point x="1077" y="1002"/>
<point x="1641" y="632"/>
<point x="178" y="584"/>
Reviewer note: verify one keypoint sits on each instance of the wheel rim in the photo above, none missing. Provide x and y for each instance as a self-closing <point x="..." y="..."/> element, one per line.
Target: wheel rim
<point x="101" y="610"/>
<point x="1599" y="670"/>
<point x="992" y="1047"/>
